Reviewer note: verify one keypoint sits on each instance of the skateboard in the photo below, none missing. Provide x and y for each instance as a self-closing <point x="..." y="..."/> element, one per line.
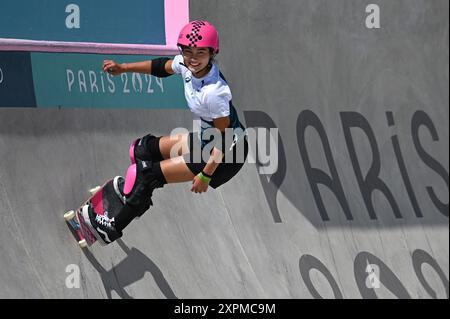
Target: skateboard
<point x="103" y="200"/>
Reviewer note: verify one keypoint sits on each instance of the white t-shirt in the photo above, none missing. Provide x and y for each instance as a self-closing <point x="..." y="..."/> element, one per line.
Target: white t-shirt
<point x="208" y="97"/>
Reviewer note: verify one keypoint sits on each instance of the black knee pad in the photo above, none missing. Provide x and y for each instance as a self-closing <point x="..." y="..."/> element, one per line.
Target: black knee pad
<point x="142" y="178"/>
<point x="147" y="149"/>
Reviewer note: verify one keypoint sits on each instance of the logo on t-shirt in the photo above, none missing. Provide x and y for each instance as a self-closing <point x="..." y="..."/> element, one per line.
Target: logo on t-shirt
<point x="188" y="79"/>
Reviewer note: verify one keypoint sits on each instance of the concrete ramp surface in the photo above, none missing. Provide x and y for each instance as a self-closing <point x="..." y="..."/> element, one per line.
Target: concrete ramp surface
<point x="358" y="205"/>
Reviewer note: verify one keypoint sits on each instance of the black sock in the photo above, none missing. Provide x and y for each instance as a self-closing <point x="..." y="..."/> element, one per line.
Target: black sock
<point x="127" y="214"/>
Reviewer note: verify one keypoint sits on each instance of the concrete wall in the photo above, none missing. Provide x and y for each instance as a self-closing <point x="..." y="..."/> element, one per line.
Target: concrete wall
<point x="358" y="207"/>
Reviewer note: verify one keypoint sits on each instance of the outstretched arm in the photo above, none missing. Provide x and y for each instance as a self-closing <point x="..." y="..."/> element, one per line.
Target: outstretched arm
<point x="159" y="67"/>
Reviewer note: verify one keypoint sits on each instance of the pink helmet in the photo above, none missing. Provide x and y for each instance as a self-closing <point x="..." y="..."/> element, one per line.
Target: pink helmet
<point x="200" y="34"/>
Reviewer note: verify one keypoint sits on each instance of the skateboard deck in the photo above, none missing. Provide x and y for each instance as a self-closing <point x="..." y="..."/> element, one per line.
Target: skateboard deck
<point x="103" y="200"/>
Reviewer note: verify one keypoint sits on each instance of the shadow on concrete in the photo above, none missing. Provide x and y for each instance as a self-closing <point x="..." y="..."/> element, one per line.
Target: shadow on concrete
<point x="130" y="270"/>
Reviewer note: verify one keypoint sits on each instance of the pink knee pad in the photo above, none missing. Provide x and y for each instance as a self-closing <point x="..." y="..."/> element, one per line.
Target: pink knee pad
<point x="130" y="179"/>
<point x="132" y="147"/>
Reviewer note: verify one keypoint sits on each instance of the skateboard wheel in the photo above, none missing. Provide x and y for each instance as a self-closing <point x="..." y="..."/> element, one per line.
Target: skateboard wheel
<point x="69" y="215"/>
<point x="83" y="243"/>
<point x="94" y="190"/>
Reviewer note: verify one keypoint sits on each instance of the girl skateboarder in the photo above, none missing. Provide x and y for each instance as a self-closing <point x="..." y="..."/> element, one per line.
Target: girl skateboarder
<point x="156" y="161"/>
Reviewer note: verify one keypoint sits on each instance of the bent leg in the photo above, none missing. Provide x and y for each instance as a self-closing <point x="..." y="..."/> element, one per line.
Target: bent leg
<point x="175" y="170"/>
<point x="174" y="145"/>
<point x="143" y="179"/>
<point x="156" y="149"/>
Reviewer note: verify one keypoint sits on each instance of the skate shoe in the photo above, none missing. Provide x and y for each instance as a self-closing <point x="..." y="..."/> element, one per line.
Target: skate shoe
<point x="101" y="225"/>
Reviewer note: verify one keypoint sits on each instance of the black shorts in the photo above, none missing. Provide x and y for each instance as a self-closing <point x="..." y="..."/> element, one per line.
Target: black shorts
<point x="230" y="165"/>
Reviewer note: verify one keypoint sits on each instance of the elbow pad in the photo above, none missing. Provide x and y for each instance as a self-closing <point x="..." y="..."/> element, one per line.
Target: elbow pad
<point x="159" y="67"/>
